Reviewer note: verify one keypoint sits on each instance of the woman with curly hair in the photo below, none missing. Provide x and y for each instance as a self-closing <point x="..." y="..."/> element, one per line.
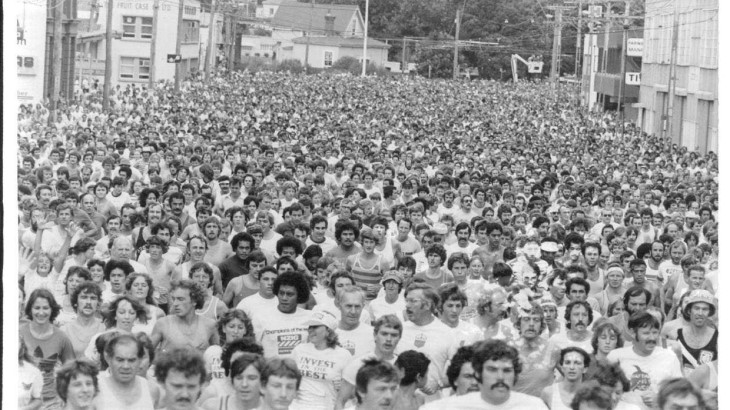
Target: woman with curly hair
<point x="139" y="287"/>
<point x="121" y="316"/>
<point x="232" y="326"/>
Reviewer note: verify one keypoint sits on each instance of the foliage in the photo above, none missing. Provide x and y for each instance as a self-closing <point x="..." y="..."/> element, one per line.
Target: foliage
<point x="344" y="63"/>
<point x="293" y="66"/>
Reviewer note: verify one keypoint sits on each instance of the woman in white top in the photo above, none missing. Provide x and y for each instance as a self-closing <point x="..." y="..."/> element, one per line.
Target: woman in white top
<point x="320" y="361"/>
<point x="139" y="287"/>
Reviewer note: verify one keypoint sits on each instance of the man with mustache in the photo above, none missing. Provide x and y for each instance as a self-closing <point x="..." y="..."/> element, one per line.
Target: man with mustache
<point x="636" y="299"/>
<point x="573" y="364"/>
<point x="85" y="300"/>
<point x="497" y="367"/>
<point x="181" y="373"/>
<point x="578" y="316"/>
<point x="532" y="345"/>
<point x="645" y="363"/>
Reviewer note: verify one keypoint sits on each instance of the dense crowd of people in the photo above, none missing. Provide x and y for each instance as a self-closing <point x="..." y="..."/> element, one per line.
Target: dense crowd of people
<point x="274" y="241"/>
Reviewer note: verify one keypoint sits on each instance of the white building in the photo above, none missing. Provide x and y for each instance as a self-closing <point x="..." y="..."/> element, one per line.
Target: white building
<point x="693" y="96"/>
<point x="131" y="47"/>
<point x="31" y="48"/>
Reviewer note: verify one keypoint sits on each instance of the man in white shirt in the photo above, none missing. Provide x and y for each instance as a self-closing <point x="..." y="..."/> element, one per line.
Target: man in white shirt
<point x="463" y="232"/>
<point x="645" y="363"/>
<point x="424" y="333"/>
<point x="353" y="335"/>
<point x="496" y="368"/>
<point x="264" y="301"/>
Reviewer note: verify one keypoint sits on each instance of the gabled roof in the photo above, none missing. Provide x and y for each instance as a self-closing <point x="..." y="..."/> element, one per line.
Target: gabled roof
<point x="305" y="17"/>
<point x="336" y="41"/>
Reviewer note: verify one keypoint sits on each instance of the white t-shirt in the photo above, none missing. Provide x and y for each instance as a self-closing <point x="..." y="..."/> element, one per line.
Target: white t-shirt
<point x="281" y="332"/>
<point x="328" y="305"/>
<point x="429" y="340"/>
<point x="30" y="383"/>
<point x="516" y="401"/>
<point x="321" y="372"/>
<point x="379" y="307"/>
<point x="212" y="357"/>
<point x="560" y="341"/>
<point x="350" y="371"/>
<point x="645" y="373"/>
<point x="357" y="341"/>
<point x="454" y="248"/>
<point x="255" y="306"/>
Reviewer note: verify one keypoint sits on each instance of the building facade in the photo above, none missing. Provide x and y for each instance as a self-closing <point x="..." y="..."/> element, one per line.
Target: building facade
<point x="132" y="25"/>
<point x="679" y="81"/>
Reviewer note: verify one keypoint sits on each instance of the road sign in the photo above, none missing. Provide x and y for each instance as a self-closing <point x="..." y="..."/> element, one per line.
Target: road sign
<point x="174" y="58"/>
<point x="633" y="78"/>
<point x="635" y="47"/>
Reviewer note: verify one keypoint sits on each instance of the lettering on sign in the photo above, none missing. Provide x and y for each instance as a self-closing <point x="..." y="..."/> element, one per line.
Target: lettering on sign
<point x="633" y="78"/>
<point x="635" y="47"/>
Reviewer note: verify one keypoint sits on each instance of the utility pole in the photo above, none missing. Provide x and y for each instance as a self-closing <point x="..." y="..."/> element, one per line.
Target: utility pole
<point x="178" y="43"/>
<point x="108" y="61"/>
<point x="404" y="63"/>
<point x="455" y="73"/>
<point x="57" y="51"/>
<point x="309" y="34"/>
<point x="622" y="88"/>
<point x="667" y="129"/>
<point x="153" y="43"/>
<point x="557" y="43"/>
<point x="578" y="42"/>
<point x="365" y="40"/>
<point x="209" y="49"/>
<point x="234" y="34"/>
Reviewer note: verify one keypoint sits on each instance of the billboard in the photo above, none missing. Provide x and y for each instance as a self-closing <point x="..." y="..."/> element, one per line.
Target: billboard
<point x="30" y="49"/>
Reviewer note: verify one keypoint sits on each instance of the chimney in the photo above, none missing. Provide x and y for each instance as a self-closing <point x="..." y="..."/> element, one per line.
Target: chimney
<point x="329" y="24"/>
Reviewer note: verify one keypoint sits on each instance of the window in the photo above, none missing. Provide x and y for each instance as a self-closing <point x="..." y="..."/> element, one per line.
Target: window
<point x="191" y="31"/>
<point x="134" y="68"/>
<point x="137" y="27"/>
<point x="328" y="56"/>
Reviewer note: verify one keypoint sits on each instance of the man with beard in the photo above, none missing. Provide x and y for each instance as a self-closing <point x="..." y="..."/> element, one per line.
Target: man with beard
<point x="645" y="363"/>
<point x="594" y="274"/>
<point x="177" y="206"/>
<point x="376" y="386"/>
<point x="218" y="250"/>
<point x="183" y="327"/>
<point x="496" y="368"/>
<point x="424" y="333"/>
<point x="697" y="335"/>
<point x="656" y="257"/>
<point x="181" y="374"/>
<point x="573" y="364"/>
<point x="638" y="270"/>
<point x="121" y="388"/>
<point x="493" y="252"/>
<point x="532" y="345"/>
<point x="346" y="234"/>
<point x="387" y="331"/>
<point x="578" y="317"/>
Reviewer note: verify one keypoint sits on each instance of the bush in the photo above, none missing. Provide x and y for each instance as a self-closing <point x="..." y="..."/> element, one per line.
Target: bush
<point x="292" y="66"/>
<point x="345" y="63"/>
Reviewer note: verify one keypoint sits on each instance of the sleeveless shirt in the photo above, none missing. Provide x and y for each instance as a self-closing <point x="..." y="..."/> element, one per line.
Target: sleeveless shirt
<point x="107" y="399"/>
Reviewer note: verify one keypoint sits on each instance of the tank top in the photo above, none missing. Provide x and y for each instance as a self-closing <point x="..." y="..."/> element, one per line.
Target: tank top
<point x="107" y="399"/>
<point x="366" y="276"/>
<point x="557" y="402"/>
<point x="211" y="311"/>
<point x="692" y="358"/>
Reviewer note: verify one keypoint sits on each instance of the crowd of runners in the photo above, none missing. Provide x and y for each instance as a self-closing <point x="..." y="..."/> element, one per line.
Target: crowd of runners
<point x="273" y="241"/>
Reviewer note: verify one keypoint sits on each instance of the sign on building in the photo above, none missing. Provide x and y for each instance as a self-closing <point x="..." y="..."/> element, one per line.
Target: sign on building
<point x="635" y="47"/>
<point x="633" y="78"/>
<point x="30" y="47"/>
